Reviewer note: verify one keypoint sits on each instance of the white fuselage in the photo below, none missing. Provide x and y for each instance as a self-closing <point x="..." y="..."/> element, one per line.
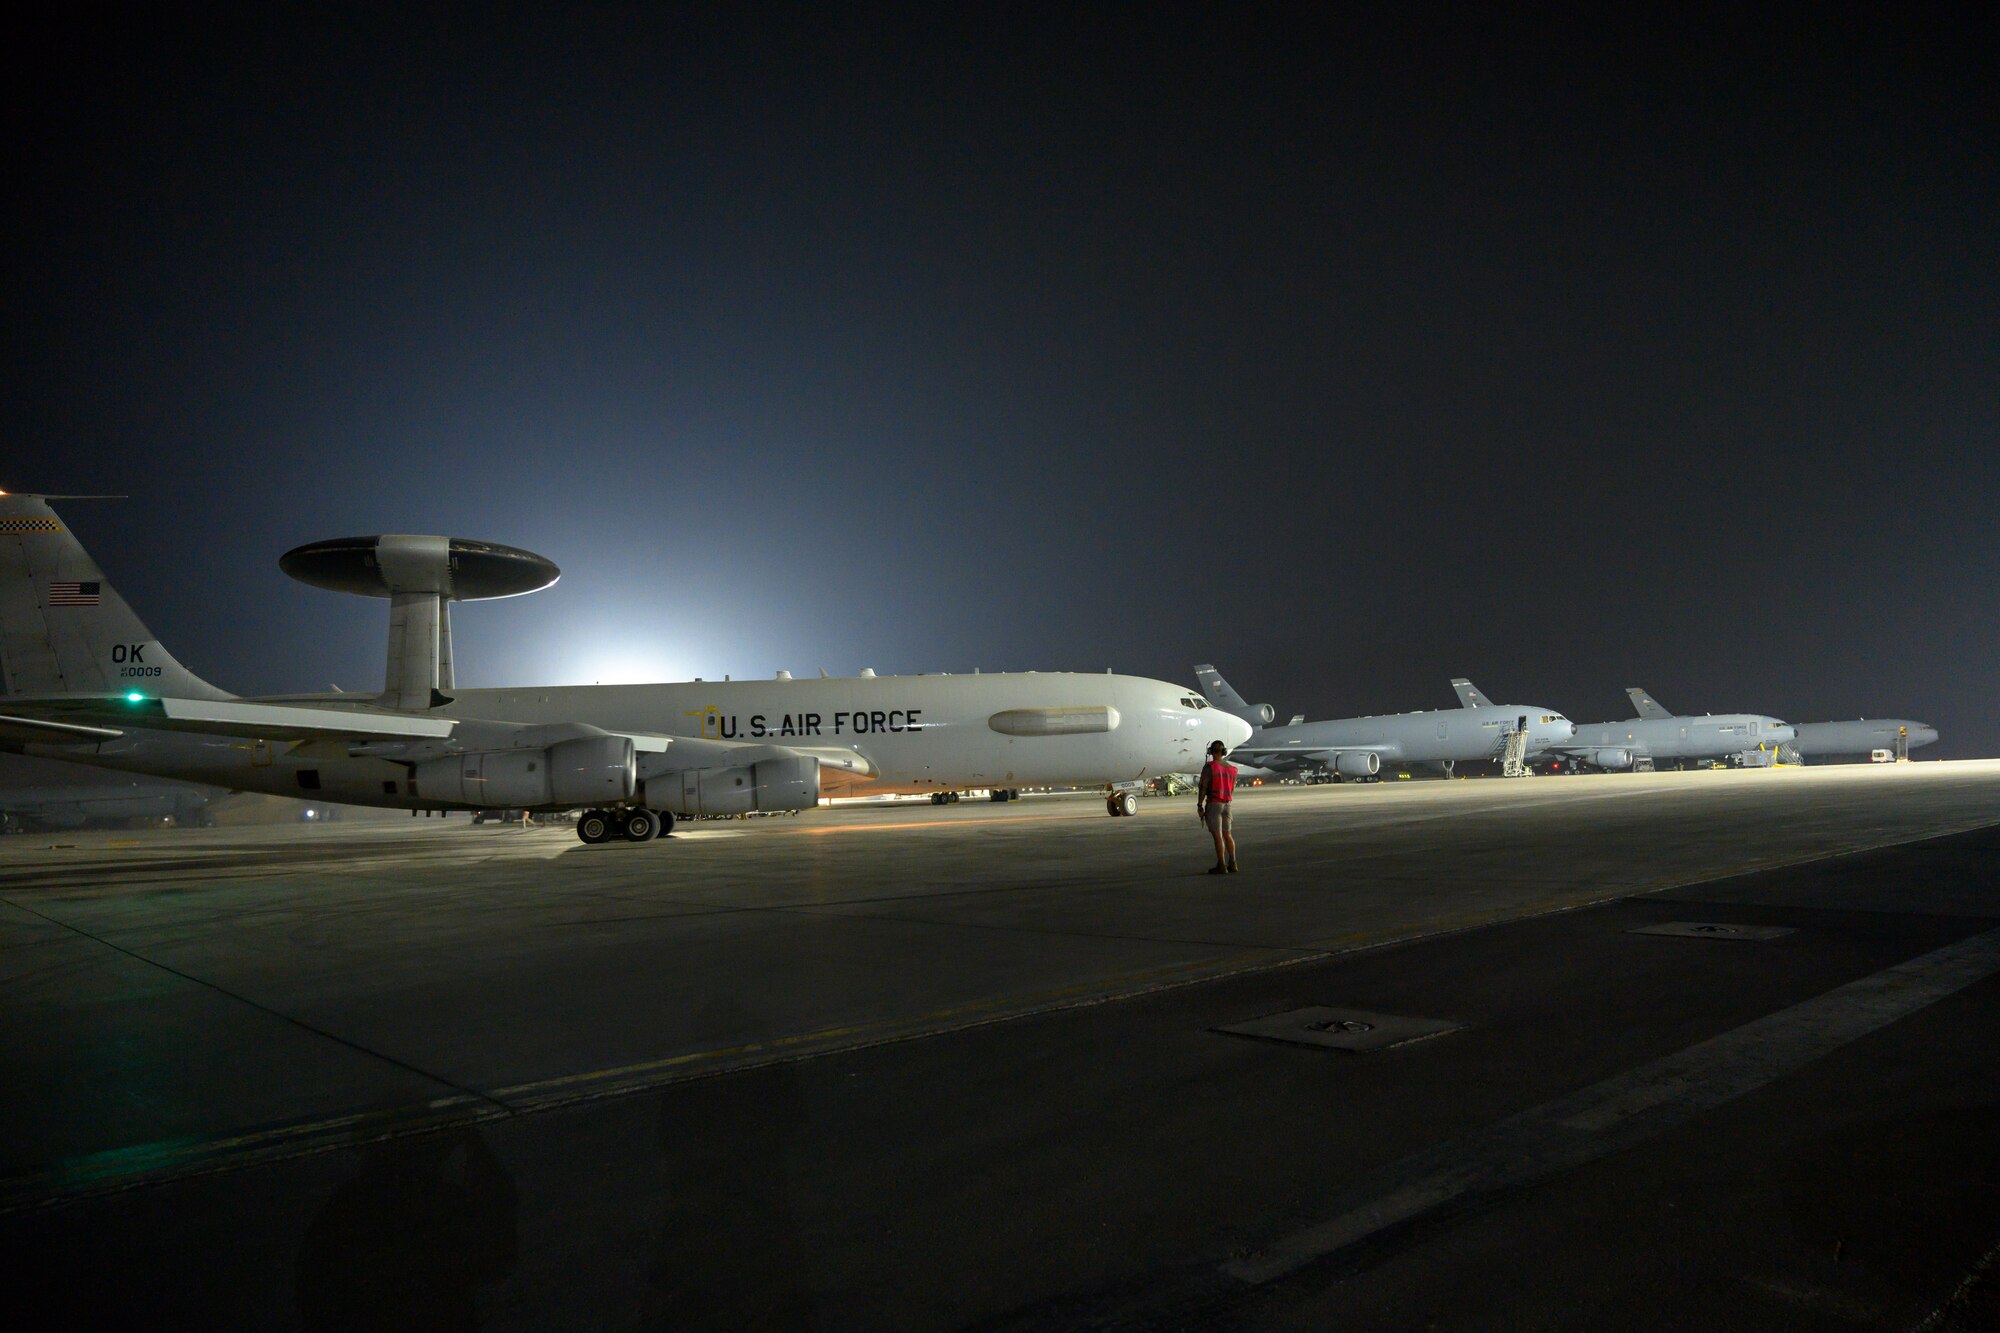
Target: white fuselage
<point x="915" y="733"/>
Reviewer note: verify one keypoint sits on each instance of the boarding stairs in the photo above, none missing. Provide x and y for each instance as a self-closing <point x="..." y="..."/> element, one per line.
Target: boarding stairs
<point x="1514" y="754"/>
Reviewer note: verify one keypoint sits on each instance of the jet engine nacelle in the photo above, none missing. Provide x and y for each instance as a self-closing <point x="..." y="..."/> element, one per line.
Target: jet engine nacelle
<point x="770" y="784"/>
<point x="594" y="770"/>
<point x="1362" y="764"/>
<point x="1611" y="759"/>
<point x="1260" y="715"/>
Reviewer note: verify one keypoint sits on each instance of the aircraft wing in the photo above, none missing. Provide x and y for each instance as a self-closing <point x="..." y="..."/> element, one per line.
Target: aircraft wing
<point x="83" y="719"/>
<point x="1634" y="747"/>
<point x="110" y="714"/>
<point x="1284" y="757"/>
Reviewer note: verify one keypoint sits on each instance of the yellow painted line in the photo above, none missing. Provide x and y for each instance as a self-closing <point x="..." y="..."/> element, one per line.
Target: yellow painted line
<point x="917" y="825"/>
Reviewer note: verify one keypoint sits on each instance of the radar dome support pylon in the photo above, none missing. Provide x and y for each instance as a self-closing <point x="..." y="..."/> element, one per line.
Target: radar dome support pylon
<point x="421" y="576"/>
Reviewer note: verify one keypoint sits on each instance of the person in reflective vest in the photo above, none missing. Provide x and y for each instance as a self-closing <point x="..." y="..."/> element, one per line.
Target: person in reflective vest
<point x="1212" y="802"/>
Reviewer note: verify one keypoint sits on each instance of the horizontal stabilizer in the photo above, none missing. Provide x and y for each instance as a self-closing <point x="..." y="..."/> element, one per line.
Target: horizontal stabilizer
<point x="36" y="731"/>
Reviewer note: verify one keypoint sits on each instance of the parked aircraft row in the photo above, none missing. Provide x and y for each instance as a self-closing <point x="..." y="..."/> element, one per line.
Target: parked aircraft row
<point x="1478" y="730"/>
<point x="86" y="681"/>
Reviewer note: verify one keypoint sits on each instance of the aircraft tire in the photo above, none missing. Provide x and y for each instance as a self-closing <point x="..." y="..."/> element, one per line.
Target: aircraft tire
<point x="666" y="818"/>
<point x="641" y="826"/>
<point x="595" y="826"/>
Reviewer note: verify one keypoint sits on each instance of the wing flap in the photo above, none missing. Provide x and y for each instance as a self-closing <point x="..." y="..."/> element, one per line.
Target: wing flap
<point x="677" y="754"/>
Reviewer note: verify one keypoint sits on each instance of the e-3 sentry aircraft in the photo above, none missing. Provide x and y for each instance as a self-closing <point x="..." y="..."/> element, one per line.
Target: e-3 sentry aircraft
<point x="1361" y="747"/>
<point x="86" y="681"/>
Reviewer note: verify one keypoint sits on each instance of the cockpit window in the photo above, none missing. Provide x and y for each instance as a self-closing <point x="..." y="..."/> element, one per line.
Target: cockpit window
<point x="1193" y="701"/>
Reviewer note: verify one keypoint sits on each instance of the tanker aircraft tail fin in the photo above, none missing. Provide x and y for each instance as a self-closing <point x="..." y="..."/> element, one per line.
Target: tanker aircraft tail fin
<point x="1468" y="694"/>
<point x="1224" y="696"/>
<point x="1645" y="705"/>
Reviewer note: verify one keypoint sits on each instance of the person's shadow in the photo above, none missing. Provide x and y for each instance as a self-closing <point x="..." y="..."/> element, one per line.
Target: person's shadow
<point x="406" y="1241"/>
<point x="729" y="1250"/>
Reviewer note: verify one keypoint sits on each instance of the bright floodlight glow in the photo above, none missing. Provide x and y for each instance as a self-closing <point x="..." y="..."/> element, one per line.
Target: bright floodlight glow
<point x="135" y="698"/>
<point x="615" y="665"/>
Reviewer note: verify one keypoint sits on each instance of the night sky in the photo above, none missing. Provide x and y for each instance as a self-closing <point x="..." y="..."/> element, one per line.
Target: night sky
<point x="1348" y="352"/>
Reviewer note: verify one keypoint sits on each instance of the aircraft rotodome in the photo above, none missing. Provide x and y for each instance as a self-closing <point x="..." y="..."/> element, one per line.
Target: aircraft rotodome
<point x="86" y="681"/>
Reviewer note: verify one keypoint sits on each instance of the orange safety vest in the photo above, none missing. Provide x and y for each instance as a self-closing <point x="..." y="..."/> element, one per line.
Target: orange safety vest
<point x="1218" y="781"/>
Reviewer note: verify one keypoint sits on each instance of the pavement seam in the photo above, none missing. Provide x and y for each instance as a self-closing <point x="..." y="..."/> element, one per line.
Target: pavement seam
<point x="261" y="1008"/>
<point x="1629" y="1107"/>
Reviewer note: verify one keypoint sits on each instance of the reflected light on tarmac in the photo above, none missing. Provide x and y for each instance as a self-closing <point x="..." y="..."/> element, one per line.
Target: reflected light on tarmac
<point x="921" y="825"/>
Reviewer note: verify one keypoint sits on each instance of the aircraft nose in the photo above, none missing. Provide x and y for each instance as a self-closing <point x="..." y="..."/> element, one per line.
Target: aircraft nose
<point x="1234" y="730"/>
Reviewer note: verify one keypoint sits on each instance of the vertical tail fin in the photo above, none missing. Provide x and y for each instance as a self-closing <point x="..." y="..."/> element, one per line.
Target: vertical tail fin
<point x="63" y="628"/>
<point x="1645" y="705"/>
<point x="1220" y="693"/>
<point x="1468" y="694"/>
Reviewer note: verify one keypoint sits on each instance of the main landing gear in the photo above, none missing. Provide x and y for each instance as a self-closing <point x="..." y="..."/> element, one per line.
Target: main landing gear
<point x="1122" y="803"/>
<point x="596" y="826"/>
<point x="944" y="798"/>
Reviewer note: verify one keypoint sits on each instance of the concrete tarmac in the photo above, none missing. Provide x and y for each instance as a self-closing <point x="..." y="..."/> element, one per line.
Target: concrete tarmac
<point x="908" y="1066"/>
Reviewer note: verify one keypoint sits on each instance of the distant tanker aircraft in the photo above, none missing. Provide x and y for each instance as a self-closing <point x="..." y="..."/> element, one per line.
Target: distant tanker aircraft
<point x="86" y="681"/>
<point x="1862" y="738"/>
<point x="1748" y="739"/>
<point x="1361" y="747"/>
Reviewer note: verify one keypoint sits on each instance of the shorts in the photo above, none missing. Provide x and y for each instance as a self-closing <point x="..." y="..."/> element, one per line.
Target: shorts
<point x="1217" y="816"/>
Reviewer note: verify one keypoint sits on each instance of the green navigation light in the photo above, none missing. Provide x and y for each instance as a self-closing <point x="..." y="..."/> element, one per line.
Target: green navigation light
<point x="135" y="698"/>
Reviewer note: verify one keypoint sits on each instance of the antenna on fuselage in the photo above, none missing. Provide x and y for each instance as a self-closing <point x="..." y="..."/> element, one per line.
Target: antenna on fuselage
<point x="421" y="576"/>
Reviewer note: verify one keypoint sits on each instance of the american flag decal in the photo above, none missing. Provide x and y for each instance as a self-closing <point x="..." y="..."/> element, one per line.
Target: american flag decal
<point x="72" y="594"/>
